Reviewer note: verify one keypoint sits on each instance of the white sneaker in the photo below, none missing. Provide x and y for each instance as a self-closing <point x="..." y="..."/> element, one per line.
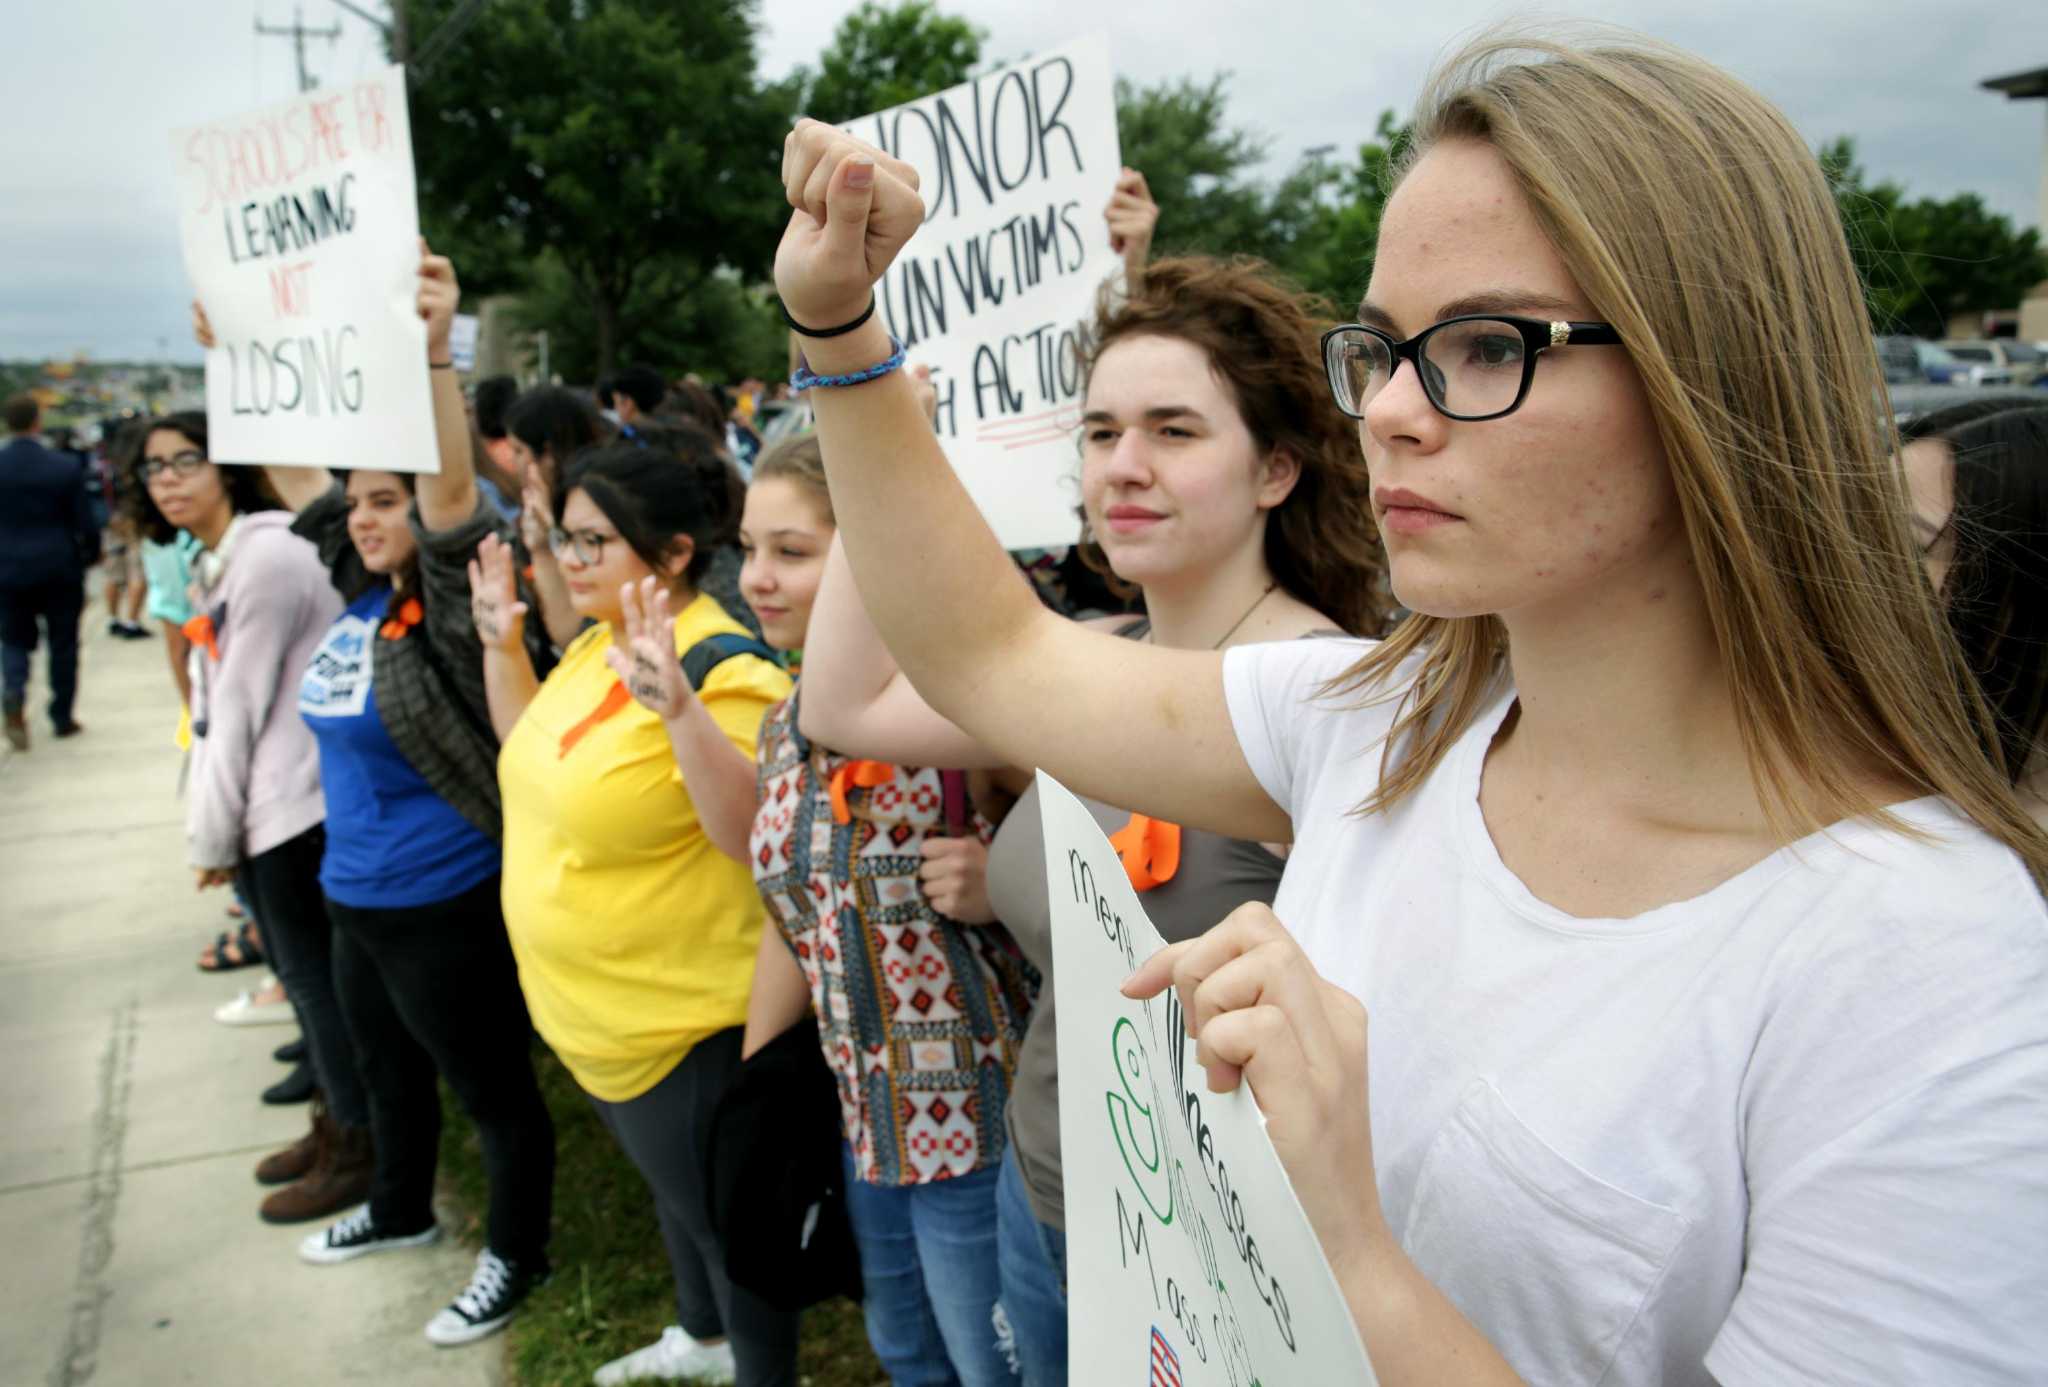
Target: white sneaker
<point x="674" y="1357"/>
<point x="356" y="1235"/>
<point x="245" y="1010"/>
<point x="496" y="1289"/>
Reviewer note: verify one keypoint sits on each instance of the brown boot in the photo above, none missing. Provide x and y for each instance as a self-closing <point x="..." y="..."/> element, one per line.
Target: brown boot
<point x="283" y="1167"/>
<point x="339" y="1179"/>
<point x="17" y="729"/>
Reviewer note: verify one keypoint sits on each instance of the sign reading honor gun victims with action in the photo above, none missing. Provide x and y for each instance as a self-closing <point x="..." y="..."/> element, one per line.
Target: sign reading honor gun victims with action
<point x="301" y="238"/>
<point x="995" y="291"/>
<point x="1189" y="1259"/>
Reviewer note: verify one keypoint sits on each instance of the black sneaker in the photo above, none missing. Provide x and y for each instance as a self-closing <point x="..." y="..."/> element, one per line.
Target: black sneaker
<point x="488" y="1301"/>
<point x="357" y="1235"/>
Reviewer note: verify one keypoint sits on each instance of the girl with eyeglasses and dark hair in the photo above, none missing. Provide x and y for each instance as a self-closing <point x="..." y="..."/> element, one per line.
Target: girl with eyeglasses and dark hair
<point x="1978" y="473"/>
<point x="254" y="807"/>
<point x="631" y="912"/>
<point x="1703" y="943"/>
<point x="394" y="695"/>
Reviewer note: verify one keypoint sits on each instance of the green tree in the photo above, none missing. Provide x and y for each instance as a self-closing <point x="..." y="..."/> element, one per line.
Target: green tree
<point x="724" y="329"/>
<point x="626" y="142"/>
<point x="881" y="57"/>
<point x="1318" y="225"/>
<point x="1198" y="166"/>
<point x="1925" y="261"/>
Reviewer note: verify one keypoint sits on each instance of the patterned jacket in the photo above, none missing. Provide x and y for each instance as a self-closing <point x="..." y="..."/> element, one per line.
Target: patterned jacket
<point x="920" y="1017"/>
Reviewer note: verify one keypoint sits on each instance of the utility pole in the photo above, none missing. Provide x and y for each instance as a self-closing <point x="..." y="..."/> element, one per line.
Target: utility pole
<point x="298" y="34"/>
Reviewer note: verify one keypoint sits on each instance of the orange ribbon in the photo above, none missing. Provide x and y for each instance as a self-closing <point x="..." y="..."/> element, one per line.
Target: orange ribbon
<point x="865" y="774"/>
<point x="409" y="615"/>
<point x="1149" y="849"/>
<point x="199" y="630"/>
<point x="615" y="700"/>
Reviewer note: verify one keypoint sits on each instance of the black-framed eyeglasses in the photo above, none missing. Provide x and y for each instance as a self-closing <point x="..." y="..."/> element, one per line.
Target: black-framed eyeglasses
<point x="184" y="464"/>
<point x="1472" y="367"/>
<point x="588" y="544"/>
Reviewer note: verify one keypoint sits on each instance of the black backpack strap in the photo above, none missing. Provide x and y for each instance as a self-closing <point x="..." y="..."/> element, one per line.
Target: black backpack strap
<point x="711" y="652"/>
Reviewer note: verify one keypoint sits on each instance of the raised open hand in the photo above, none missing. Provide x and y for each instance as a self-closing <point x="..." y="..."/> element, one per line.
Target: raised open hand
<point x="855" y="209"/>
<point x="536" y="515"/>
<point x="647" y="663"/>
<point x="438" y="295"/>
<point x="494" y="596"/>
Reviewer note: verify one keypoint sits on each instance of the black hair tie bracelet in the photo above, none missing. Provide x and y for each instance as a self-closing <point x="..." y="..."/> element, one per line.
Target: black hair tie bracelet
<point x="840" y="331"/>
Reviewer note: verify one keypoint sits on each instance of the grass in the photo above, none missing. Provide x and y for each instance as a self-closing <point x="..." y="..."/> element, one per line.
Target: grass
<point x="611" y="1291"/>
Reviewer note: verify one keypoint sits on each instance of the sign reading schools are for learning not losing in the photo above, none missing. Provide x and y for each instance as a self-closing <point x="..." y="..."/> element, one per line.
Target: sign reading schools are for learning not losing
<point x="1189" y="1259"/>
<point x="995" y="290"/>
<point x="301" y="238"/>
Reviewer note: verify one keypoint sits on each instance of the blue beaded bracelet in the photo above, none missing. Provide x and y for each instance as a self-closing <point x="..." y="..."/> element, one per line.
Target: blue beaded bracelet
<point x="803" y="378"/>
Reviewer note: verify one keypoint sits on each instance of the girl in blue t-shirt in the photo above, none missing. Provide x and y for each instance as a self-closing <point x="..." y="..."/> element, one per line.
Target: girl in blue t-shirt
<point x="394" y="696"/>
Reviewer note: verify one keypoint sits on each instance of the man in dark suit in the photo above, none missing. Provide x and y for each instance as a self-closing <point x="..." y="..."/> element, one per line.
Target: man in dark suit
<point x="47" y="541"/>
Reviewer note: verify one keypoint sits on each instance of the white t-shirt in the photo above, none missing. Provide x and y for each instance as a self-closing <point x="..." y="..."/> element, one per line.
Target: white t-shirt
<point x="1793" y="1130"/>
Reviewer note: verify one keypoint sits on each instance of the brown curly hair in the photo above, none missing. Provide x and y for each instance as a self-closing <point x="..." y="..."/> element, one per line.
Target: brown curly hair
<point x="1262" y="337"/>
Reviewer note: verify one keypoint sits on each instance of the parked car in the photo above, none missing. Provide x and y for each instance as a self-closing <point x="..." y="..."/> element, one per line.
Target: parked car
<point x="1944" y="367"/>
<point x="2023" y="362"/>
<point x="1915" y="398"/>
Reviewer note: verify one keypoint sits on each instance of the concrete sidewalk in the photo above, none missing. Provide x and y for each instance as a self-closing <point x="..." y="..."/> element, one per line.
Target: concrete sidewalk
<point x="131" y="1119"/>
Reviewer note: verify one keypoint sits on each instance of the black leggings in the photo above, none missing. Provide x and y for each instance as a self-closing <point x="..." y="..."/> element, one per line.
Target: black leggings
<point x="284" y="890"/>
<point x="434" y="988"/>
<point x="664" y="1132"/>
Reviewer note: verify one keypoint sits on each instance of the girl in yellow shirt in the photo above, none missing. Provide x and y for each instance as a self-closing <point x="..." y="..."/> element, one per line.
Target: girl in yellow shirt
<point x="634" y="925"/>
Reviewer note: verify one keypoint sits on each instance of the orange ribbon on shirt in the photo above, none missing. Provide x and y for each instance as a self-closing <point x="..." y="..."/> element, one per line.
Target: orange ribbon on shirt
<point x="1149" y="849"/>
<point x="613" y="701"/>
<point x="865" y="774"/>
<point x="199" y="630"/>
<point x="410" y="614"/>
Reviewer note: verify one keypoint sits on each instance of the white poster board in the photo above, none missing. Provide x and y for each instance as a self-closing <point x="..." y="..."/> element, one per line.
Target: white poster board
<point x="301" y="239"/>
<point x="996" y="291"/>
<point x="1189" y="1259"/>
<point x="462" y="331"/>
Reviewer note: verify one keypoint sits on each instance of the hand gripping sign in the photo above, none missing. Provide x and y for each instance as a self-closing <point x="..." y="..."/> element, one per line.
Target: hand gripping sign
<point x="995" y="291"/>
<point x="1189" y="1259"/>
<point x="301" y="239"/>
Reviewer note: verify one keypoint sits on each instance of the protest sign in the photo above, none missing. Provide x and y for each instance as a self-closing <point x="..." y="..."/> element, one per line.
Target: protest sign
<point x="301" y="239"/>
<point x="994" y="292"/>
<point x="462" y="331"/>
<point x="1189" y="1259"/>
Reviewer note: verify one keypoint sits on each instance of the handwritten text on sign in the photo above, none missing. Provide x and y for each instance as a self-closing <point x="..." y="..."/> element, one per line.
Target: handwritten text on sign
<point x="995" y="292"/>
<point x="1185" y="1241"/>
<point x="301" y="239"/>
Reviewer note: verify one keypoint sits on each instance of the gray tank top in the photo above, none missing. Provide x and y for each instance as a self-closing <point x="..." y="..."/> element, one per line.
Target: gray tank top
<point x="1216" y="876"/>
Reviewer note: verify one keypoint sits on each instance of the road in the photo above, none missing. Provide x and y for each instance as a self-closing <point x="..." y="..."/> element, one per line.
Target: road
<point x="131" y="1120"/>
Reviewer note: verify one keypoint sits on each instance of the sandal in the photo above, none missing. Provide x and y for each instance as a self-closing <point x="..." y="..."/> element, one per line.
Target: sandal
<point x="231" y="951"/>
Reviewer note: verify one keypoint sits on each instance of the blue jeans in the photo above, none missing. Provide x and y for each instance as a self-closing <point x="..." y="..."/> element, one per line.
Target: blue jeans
<point x="928" y="1266"/>
<point x="1032" y="1258"/>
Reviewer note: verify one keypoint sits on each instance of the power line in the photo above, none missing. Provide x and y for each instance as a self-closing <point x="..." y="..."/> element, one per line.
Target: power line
<point x="298" y="33"/>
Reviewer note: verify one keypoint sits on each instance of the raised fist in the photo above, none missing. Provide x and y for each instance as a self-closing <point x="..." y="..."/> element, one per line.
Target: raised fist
<point x="855" y="209"/>
<point x="438" y="296"/>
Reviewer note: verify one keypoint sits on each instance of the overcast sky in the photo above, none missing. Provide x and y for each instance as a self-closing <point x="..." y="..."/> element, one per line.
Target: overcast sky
<point x="88" y="227"/>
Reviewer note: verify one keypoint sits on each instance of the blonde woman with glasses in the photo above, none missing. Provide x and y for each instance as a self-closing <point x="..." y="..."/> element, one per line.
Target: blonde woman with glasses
<point x="1701" y="938"/>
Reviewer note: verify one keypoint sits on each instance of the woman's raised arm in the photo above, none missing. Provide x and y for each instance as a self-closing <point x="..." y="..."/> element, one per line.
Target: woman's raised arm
<point x="1121" y="722"/>
<point x="446" y="498"/>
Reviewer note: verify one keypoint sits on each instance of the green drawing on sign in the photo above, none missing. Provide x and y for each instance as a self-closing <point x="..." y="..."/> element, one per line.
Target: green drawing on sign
<point x="1129" y="1053"/>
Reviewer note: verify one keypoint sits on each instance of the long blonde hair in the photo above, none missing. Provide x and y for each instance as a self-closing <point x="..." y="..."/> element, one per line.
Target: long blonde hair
<point x="1698" y="223"/>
